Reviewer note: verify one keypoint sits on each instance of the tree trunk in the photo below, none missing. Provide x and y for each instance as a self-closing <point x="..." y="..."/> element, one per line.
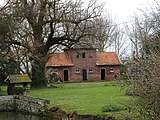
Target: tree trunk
<point x="39" y="60"/>
<point x="38" y="75"/>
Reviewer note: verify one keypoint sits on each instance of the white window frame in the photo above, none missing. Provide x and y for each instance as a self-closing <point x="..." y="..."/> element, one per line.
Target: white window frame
<point x="77" y="71"/>
<point x="111" y="70"/>
<point x="90" y="70"/>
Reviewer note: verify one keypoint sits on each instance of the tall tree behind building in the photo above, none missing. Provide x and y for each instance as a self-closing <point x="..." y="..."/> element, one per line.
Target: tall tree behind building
<point x="40" y="24"/>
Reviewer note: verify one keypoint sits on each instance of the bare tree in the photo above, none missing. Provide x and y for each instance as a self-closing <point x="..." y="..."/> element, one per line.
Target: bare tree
<point x="40" y="24"/>
<point x="106" y="33"/>
<point x="145" y="35"/>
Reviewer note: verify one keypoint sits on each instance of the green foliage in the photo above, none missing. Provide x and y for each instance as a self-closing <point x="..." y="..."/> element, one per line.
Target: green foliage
<point x="115" y="83"/>
<point x="3" y="90"/>
<point x="7" y="63"/>
<point x="57" y="85"/>
<point x="113" y="107"/>
<point x="7" y="67"/>
<point x="38" y="75"/>
<point x="15" y="89"/>
<point x="4" y="28"/>
<point x="18" y="90"/>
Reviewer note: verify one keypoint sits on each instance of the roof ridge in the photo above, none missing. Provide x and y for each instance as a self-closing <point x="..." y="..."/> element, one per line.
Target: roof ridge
<point x="106" y="52"/>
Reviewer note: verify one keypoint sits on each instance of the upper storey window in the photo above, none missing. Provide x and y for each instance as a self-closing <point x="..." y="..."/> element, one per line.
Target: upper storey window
<point x="90" y="56"/>
<point x="83" y="55"/>
<point x="78" y="56"/>
<point x="77" y="70"/>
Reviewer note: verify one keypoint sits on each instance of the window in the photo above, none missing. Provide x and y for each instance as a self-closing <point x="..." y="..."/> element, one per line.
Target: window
<point x="90" y="70"/>
<point x="51" y="71"/>
<point x="90" y="56"/>
<point x="83" y="55"/>
<point x="111" y="70"/>
<point x="77" y="71"/>
<point x="78" y="55"/>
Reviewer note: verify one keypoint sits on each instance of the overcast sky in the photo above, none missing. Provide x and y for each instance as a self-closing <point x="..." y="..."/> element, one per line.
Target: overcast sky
<point x="1" y="1"/>
<point x="123" y="9"/>
<point x="123" y="12"/>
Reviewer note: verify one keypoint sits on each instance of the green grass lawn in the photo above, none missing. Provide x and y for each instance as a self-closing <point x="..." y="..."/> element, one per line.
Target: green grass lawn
<point x="99" y="98"/>
<point x="85" y="98"/>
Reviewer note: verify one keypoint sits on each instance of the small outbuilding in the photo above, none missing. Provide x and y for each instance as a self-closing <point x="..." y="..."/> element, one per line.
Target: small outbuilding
<point x="18" y="84"/>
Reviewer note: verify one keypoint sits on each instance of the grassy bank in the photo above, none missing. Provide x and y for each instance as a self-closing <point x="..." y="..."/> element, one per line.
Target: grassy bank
<point x="97" y="98"/>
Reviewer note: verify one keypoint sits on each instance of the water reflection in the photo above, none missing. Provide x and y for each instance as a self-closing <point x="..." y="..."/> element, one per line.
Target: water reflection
<point x="20" y="116"/>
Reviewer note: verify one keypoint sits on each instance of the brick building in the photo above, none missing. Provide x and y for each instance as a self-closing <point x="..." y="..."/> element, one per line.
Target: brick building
<point x="84" y="64"/>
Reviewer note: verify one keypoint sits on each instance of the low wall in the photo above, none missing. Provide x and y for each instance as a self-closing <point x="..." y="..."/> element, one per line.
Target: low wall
<point x="24" y="104"/>
<point x="7" y="103"/>
<point x="39" y="107"/>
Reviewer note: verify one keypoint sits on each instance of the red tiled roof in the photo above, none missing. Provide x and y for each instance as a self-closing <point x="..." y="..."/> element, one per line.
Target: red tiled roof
<point x="107" y="58"/>
<point x="59" y="59"/>
<point x="102" y="58"/>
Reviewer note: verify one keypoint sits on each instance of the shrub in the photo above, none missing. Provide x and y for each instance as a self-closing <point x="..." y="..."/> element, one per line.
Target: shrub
<point x="113" y="107"/>
<point x="112" y="84"/>
<point x="132" y="92"/>
<point x="18" y="90"/>
<point x="55" y="85"/>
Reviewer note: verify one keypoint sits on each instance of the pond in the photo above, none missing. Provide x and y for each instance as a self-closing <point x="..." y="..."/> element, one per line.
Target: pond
<point x="21" y="116"/>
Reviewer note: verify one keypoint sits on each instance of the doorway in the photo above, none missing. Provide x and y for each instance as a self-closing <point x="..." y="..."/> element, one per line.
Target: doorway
<point x="66" y="75"/>
<point x="84" y="73"/>
<point x="103" y="74"/>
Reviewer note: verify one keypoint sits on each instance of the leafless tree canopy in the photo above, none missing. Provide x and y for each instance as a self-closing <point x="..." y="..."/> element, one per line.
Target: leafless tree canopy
<point x="145" y="36"/>
<point x="45" y="23"/>
<point x="42" y="24"/>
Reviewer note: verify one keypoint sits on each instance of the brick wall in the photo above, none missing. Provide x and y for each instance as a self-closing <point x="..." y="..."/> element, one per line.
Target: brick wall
<point x="89" y="62"/>
<point x="81" y="63"/>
